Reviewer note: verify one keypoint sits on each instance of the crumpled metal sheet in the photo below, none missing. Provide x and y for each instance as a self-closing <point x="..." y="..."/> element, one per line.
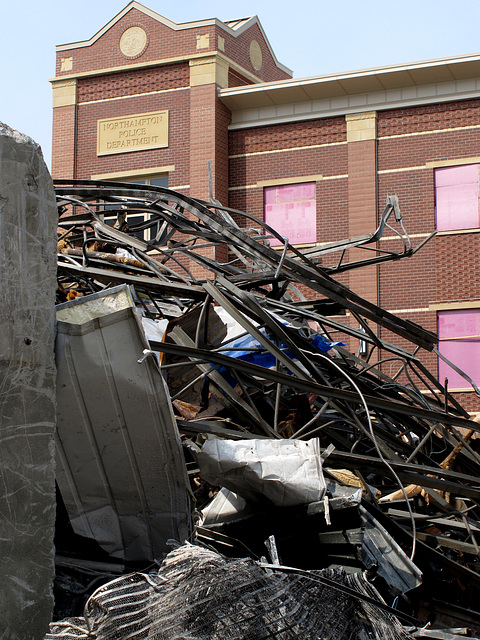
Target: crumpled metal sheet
<point x="199" y="595"/>
<point x="225" y="506"/>
<point x="120" y="467"/>
<point x="379" y="549"/>
<point x="287" y="472"/>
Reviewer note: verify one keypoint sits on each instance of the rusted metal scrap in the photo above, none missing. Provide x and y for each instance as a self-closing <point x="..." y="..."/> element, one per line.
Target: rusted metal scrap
<point x="262" y="343"/>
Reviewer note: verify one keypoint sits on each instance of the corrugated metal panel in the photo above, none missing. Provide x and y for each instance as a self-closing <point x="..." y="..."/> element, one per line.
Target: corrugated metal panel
<point x="120" y="467"/>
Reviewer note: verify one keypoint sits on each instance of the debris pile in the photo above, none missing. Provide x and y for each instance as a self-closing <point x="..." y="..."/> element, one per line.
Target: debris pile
<point x="309" y="442"/>
<point x="198" y="594"/>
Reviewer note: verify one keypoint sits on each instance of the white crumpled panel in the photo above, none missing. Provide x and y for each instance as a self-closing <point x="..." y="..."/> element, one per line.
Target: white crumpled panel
<point x="287" y="472"/>
<point x="95" y="306"/>
<point x="120" y="465"/>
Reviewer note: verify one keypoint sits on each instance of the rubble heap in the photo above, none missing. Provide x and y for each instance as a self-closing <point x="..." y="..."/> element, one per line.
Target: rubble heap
<point x="313" y="433"/>
<point x="198" y="591"/>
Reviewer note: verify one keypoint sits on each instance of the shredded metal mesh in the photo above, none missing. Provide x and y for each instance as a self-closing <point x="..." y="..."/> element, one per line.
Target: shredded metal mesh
<point x="198" y="595"/>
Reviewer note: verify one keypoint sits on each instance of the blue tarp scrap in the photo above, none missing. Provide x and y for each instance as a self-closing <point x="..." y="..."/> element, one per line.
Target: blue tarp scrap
<point x="250" y="350"/>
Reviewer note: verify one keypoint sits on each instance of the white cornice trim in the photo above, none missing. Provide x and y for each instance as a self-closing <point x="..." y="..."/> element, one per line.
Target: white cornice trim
<point x="359" y="103"/>
<point x="354" y="74"/>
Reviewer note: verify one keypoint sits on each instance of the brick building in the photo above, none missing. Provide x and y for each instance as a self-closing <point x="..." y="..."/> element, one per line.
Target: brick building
<point x="149" y="100"/>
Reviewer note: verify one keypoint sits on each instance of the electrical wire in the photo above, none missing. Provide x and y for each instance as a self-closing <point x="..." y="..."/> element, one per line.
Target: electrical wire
<point x="374" y="440"/>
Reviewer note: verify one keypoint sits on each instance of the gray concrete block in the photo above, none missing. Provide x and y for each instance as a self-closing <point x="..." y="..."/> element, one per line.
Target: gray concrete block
<point x="27" y="387"/>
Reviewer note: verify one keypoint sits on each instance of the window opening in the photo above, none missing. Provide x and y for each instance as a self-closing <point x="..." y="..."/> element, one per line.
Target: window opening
<point x="292" y="211"/>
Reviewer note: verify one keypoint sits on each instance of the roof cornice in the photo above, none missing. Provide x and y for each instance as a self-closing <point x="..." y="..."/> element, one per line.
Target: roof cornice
<point x="387" y="78"/>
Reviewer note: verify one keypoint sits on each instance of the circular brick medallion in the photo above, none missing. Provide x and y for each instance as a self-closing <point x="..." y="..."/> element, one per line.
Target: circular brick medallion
<point x="133" y="42"/>
<point x="256" y="57"/>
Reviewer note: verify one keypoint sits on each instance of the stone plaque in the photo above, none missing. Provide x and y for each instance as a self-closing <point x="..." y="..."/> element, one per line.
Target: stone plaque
<point x="132" y="133"/>
<point x="133" y="41"/>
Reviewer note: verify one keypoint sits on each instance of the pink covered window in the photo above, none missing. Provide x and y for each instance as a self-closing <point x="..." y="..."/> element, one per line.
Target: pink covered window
<point x="291" y="210"/>
<point x="457" y="197"/>
<point x="459" y="341"/>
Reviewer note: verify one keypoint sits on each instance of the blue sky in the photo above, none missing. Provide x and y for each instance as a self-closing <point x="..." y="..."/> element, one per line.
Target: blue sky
<point x="311" y="37"/>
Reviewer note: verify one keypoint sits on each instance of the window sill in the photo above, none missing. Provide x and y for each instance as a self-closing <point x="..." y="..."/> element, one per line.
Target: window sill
<point x="454" y="232"/>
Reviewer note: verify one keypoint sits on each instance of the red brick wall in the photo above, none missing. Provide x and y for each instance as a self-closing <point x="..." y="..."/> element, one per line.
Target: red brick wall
<point x="362" y="218"/>
<point x="429" y="117"/>
<point x="165" y="43"/>
<point x="288" y="164"/>
<point x="295" y="151"/>
<point x="445" y="270"/>
<point x="63" y="136"/>
<point x="426" y="319"/>
<point x="289" y="151"/>
<point x="221" y="176"/>
<point x="238" y="48"/>
<point x="458" y="267"/>
<point x="416" y="196"/>
<point x="332" y="213"/>
<point x="289" y="135"/>
<point x="409" y="283"/>
<point x="103" y="96"/>
<point x="177" y="153"/>
<point x="332" y="209"/>
<point x="208" y="120"/>
<point x="135" y="82"/>
<point x="416" y="150"/>
<point x="236" y="79"/>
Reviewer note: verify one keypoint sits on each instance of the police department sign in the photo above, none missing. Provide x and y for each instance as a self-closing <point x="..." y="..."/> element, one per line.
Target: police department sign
<point x="132" y="133"/>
